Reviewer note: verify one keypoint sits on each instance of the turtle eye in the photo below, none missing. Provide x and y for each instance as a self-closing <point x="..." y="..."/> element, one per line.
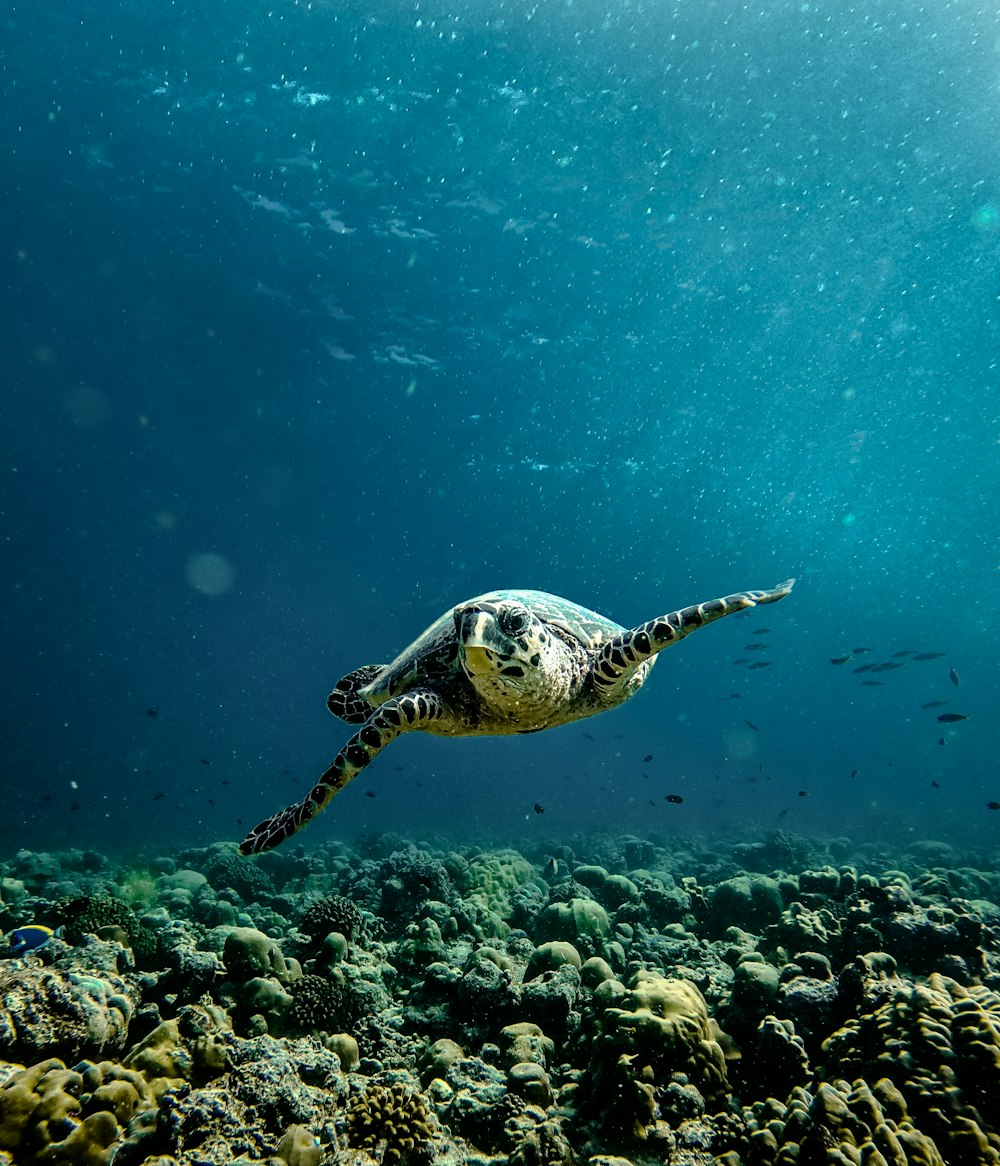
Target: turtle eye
<point x="513" y="622"/>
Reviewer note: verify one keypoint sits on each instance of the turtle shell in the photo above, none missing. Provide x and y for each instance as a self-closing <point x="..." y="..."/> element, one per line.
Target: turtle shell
<point x="434" y="652"/>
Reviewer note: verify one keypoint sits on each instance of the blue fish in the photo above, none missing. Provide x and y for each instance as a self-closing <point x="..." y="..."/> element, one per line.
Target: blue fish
<point x="31" y="938"/>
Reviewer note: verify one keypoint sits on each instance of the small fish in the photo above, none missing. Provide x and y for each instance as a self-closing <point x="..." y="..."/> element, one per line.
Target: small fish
<point x="905" y="652"/>
<point x="840" y="659"/>
<point x="760" y="664"/>
<point x="873" y="683"/>
<point x="674" y="799"/>
<point x="369" y="793"/>
<point x="762" y="632"/>
<point x="993" y="805"/>
<point x="928" y="656"/>
<point x="803" y="793"/>
<point x="886" y="665"/>
<point x="933" y="704"/>
<point x="755" y="647"/>
<point x="150" y="712"/>
<point x="782" y="813"/>
<point x="942" y="741"/>
<point x="858" y="651"/>
<point x="955" y="678"/>
<point x="223" y="781"/>
<point x="158" y="797"/>
<point x="741" y="660"/>
<point x="751" y="725"/>
<point x="936" y="784"/>
<point x="204" y="761"/>
<point x="539" y="809"/>
<point x="32" y="937"/>
<point x="854" y="773"/>
<point x="551" y="868"/>
<point x="862" y="668"/>
<point x="647" y="759"/>
<point x="951" y="718"/>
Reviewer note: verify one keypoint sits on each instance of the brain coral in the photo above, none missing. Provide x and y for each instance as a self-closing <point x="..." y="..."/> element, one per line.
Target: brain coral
<point x="45" y="1012"/>
<point x="940" y="1044"/>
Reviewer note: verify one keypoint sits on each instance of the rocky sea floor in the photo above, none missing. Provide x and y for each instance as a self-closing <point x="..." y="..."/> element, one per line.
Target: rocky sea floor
<point x="606" y="1002"/>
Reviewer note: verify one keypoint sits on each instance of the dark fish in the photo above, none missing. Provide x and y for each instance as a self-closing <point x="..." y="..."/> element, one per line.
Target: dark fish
<point x="551" y="868"/>
<point x="955" y="678"/>
<point x="157" y="797"/>
<point x="760" y="664"/>
<point x="858" y="651"/>
<point x="589" y="736"/>
<point x="905" y="652"/>
<point x="803" y="793"/>
<point x="73" y="807"/>
<point x="751" y="725"/>
<point x="782" y="813"/>
<point x="762" y="631"/>
<point x="936" y="784"/>
<point x="942" y="741"/>
<point x="755" y="647"/>
<point x="674" y="799"/>
<point x="840" y="659"/>
<point x="741" y="661"/>
<point x="933" y="704"/>
<point x="854" y="773"/>
<point x="204" y="761"/>
<point x="150" y="712"/>
<point x="647" y="758"/>
<point x="928" y="656"/>
<point x="884" y="667"/>
<point x="862" y="668"/>
<point x="369" y="793"/>
<point x="873" y="683"/>
<point x="539" y="809"/>
<point x="951" y="718"/>
<point x="223" y="781"/>
<point x="993" y="805"/>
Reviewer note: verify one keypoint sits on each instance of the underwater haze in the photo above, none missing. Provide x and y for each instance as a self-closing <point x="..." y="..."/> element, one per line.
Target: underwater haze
<point x="319" y="318"/>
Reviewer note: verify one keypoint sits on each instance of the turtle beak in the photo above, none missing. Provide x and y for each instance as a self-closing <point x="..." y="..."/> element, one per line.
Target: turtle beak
<point x="474" y="632"/>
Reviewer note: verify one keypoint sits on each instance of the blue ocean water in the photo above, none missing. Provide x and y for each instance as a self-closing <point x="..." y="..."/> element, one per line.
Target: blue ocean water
<point x="321" y="317"/>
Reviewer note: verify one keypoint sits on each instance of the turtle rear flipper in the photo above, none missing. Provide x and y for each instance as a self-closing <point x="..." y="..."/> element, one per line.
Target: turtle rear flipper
<point x="344" y="701"/>
<point x="621" y="659"/>
<point x="400" y="714"/>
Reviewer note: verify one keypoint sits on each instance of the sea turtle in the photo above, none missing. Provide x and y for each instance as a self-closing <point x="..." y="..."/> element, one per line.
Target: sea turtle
<point x="505" y="662"/>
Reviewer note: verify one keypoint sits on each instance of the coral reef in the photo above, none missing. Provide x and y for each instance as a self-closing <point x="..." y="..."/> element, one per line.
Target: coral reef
<point x="785" y="1001"/>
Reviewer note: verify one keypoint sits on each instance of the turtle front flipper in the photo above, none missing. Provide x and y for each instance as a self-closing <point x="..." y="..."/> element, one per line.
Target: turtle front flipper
<point x="344" y="701"/>
<point x="619" y="661"/>
<point x="400" y="714"/>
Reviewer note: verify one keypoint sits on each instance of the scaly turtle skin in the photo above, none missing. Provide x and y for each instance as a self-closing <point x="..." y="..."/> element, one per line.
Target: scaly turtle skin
<point x="506" y="662"/>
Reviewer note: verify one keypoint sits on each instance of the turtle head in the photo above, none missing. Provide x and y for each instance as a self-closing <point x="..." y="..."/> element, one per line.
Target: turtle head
<point x="501" y="643"/>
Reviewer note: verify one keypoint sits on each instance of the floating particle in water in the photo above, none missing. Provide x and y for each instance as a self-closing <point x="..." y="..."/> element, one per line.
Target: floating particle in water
<point x="211" y="574"/>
